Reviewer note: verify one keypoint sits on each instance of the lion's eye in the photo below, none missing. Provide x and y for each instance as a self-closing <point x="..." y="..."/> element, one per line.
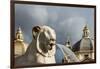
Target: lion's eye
<point x="52" y="40"/>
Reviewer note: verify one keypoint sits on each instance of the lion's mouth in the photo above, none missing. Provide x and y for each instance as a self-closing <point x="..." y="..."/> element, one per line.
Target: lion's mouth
<point x="51" y="46"/>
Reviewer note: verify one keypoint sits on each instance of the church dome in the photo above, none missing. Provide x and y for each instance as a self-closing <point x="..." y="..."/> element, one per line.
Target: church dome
<point x="19" y="44"/>
<point x="19" y="48"/>
<point x="85" y="44"/>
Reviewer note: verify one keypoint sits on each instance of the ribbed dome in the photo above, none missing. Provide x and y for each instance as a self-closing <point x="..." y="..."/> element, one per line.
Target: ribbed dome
<point x="83" y="45"/>
<point x="63" y="52"/>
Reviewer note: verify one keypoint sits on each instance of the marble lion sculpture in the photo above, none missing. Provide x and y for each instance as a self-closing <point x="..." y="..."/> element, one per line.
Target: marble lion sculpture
<point x="41" y="50"/>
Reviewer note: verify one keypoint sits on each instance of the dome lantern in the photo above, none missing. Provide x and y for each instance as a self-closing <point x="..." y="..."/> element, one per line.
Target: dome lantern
<point x="86" y="32"/>
<point x="68" y="44"/>
<point x="19" y="35"/>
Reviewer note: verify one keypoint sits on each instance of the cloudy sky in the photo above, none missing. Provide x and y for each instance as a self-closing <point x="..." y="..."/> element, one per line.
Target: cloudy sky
<point x="68" y="22"/>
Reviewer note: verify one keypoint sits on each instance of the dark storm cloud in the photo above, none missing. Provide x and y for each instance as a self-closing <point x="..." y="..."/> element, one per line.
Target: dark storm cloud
<point x="68" y="22"/>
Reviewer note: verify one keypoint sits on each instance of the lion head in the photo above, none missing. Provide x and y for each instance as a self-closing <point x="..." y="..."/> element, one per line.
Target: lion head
<point x="45" y="40"/>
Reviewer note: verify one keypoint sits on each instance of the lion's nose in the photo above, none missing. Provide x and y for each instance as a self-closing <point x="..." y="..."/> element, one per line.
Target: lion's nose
<point x="51" y="44"/>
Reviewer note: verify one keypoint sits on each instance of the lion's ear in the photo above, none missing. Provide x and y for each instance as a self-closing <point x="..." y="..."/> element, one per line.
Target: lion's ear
<point x="35" y="31"/>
